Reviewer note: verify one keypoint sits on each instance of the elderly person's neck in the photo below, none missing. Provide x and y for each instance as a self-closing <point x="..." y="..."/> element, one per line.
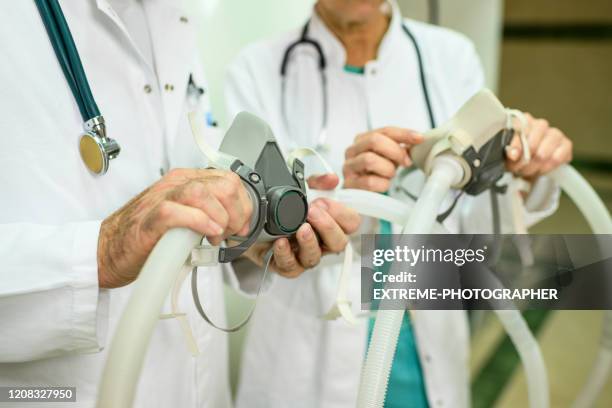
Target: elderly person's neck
<point x="360" y="38"/>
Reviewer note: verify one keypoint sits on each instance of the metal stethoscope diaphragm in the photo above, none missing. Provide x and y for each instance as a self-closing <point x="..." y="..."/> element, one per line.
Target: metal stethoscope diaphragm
<point x="97" y="150"/>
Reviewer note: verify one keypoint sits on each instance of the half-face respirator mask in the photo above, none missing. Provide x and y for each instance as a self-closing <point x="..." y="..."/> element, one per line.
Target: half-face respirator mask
<point x="476" y="137"/>
<point x="278" y="193"/>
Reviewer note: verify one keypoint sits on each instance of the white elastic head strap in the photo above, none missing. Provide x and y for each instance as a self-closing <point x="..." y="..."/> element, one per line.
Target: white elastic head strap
<point x="518" y="185"/>
<point x="200" y="256"/>
<point x="365" y="203"/>
<point x="218" y="160"/>
<point x="341" y="306"/>
<point x="192" y="345"/>
<point x="304" y="152"/>
<point x="215" y="158"/>
<point x="522" y="130"/>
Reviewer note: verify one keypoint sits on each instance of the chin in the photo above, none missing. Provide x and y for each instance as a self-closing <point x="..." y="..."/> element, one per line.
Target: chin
<point x="353" y="10"/>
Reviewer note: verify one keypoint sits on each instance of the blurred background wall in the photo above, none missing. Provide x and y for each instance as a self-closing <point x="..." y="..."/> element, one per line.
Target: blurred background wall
<point x="225" y="26"/>
<point x="552" y="58"/>
<point x="556" y="62"/>
<point x="480" y="20"/>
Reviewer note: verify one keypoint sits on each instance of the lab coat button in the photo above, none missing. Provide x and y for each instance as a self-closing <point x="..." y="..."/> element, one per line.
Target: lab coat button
<point x="148" y="89"/>
<point x="427" y="358"/>
<point x="184" y="19"/>
<point x="169" y="87"/>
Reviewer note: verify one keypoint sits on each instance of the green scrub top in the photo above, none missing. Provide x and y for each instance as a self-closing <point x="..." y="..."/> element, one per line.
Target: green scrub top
<point x="406" y="387"/>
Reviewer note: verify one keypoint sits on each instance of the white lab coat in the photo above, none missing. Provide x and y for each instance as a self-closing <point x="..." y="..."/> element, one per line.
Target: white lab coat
<point x="292" y="357"/>
<point x="55" y="323"/>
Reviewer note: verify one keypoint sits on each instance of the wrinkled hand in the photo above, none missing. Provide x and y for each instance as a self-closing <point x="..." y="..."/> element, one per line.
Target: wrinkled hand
<point x="373" y="159"/>
<point x="549" y="148"/>
<point x="213" y="203"/>
<point x="326" y="230"/>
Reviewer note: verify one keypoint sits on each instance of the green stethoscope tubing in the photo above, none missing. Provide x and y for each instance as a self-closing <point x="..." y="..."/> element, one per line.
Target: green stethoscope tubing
<point x="68" y="57"/>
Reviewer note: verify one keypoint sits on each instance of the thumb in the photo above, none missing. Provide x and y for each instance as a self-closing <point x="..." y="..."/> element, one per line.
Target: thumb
<point x="514" y="150"/>
<point x="327" y="181"/>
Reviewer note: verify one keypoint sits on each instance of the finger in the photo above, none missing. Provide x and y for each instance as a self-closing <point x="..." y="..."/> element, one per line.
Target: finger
<point x="371" y="163"/>
<point x="548" y="145"/>
<point x="514" y="150"/>
<point x="247" y="207"/>
<point x="543" y="150"/>
<point x="285" y="261"/>
<point x="323" y="182"/>
<point x="401" y="135"/>
<point x="561" y="156"/>
<point x="170" y="214"/>
<point x="209" y="185"/>
<point x="347" y="218"/>
<point x="217" y="213"/>
<point x="382" y="145"/>
<point x="515" y="167"/>
<point x="196" y="195"/>
<point x="370" y="183"/>
<point x="537" y="131"/>
<point x="309" y="251"/>
<point x="330" y="232"/>
<point x="531" y="170"/>
<point x="230" y="191"/>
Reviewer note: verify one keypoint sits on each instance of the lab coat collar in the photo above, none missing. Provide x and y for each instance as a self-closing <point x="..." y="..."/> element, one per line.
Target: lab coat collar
<point x="105" y="7"/>
<point x="333" y="48"/>
<point x="394" y="34"/>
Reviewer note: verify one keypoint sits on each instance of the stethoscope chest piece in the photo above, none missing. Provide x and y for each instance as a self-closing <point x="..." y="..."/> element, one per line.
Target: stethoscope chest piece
<point x="96" y="149"/>
<point x="97" y="152"/>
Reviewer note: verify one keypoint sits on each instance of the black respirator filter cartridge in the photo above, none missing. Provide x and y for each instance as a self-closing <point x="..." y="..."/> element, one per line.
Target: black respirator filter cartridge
<point x="278" y="193"/>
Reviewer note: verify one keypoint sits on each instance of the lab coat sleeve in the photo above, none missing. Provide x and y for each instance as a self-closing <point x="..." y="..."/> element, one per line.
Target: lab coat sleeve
<point x="543" y="198"/>
<point x="50" y="302"/>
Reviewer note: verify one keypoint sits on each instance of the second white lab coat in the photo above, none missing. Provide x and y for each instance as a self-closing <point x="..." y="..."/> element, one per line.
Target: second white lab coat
<point x="291" y="356"/>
